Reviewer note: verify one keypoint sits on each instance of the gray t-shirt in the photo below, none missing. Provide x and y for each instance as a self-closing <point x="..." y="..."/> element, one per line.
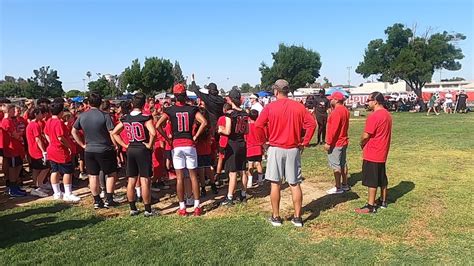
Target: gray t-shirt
<point x="96" y="126"/>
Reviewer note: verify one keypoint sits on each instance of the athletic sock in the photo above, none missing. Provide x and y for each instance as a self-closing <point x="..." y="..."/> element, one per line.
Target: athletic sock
<point x="97" y="199"/>
<point x="230" y="196"/>
<point x="243" y="193"/>
<point x="56" y="188"/>
<point x="148" y="207"/>
<point x="196" y="203"/>
<point x="182" y="206"/>
<point x="67" y="189"/>
<point x="109" y="197"/>
<point x="133" y="207"/>
<point x="138" y="190"/>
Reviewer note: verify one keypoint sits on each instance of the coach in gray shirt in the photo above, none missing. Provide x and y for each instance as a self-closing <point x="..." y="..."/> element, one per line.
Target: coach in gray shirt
<point x="100" y="154"/>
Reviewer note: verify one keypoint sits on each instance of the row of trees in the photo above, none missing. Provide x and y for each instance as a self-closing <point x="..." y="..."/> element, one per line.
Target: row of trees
<point x="44" y="83"/>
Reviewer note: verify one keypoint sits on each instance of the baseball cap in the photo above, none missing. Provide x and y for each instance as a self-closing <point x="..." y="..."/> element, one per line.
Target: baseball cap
<point x="281" y="84"/>
<point x="337" y="95"/>
<point x="253" y="96"/>
<point x="179" y="89"/>
<point x="234" y="94"/>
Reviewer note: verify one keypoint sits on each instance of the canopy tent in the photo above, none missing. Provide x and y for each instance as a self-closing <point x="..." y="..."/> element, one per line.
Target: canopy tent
<point x="264" y="94"/>
<point x="78" y="99"/>
<point x="339" y="89"/>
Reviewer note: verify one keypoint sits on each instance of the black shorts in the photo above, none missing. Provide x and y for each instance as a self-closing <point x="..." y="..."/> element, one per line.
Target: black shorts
<point x="1" y="152"/>
<point x="62" y="168"/>
<point x="257" y="158"/>
<point x="37" y="164"/>
<point x="236" y="156"/>
<point x="13" y="161"/>
<point x="167" y="155"/>
<point x="139" y="163"/>
<point x="104" y="161"/>
<point x="374" y="174"/>
<point x="204" y="161"/>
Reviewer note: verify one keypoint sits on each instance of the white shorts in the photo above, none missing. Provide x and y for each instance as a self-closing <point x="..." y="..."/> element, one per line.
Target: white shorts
<point x="184" y="157"/>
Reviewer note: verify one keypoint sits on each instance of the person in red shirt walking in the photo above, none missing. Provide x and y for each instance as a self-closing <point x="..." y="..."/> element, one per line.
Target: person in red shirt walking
<point x="254" y="151"/>
<point x="284" y="119"/>
<point x="375" y="143"/>
<point x="59" y="154"/>
<point x="337" y="140"/>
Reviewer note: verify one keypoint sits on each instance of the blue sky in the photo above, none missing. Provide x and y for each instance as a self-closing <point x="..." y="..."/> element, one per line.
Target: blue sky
<point x="223" y="40"/>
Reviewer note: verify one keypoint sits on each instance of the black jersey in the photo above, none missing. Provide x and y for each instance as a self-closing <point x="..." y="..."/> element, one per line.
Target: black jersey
<point x="239" y="125"/>
<point x="137" y="133"/>
<point x="182" y="120"/>
<point x="321" y="105"/>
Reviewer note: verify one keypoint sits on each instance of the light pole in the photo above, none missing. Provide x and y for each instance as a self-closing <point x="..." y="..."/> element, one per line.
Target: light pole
<point x="349" y="75"/>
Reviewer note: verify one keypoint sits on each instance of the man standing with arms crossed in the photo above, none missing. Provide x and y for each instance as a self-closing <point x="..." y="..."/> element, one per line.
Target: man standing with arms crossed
<point x="321" y="106"/>
<point x="375" y="143"/>
<point x="99" y="149"/>
<point x="285" y="119"/>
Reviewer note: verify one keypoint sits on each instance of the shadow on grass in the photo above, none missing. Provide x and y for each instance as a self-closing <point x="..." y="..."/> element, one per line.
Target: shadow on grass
<point x="327" y="202"/>
<point x="14" y="229"/>
<point x="355" y="177"/>
<point x="398" y="191"/>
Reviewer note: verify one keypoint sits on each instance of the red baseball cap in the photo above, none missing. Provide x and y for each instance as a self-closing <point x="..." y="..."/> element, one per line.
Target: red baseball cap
<point x="179" y="89"/>
<point x="337" y="95"/>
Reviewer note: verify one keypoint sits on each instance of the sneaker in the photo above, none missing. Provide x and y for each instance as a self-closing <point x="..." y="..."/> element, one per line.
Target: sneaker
<point x="163" y="185"/>
<point x="227" y="202"/>
<point x="189" y="202"/>
<point x="214" y="189"/>
<point x="367" y="209"/>
<point x="83" y="176"/>
<point x="119" y="198"/>
<point x="108" y="204"/>
<point x="275" y="221"/>
<point x="134" y="212"/>
<point x="46" y="187"/>
<point x="335" y="190"/>
<point x="197" y="211"/>
<point x="71" y="198"/>
<point x="203" y="191"/>
<point x="155" y="187"/>
<point x="57" y="196"/>
<point x="182" y="212"/>
<point x="98" y="205"/>
<point x="102" y="194"/>
<point x="242" y="198"/>
<point x="346" y="188"/>
<point x="381" y="204"/>
<point x="38" y="193"/>
<point x="297" y="221"/>
<point x="151" y="214"/>
<point x="15" y="192"/>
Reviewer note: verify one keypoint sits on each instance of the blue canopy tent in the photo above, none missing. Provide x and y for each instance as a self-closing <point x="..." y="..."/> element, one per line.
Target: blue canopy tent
<point x="339" y="89"/>
<point x="78" y="99"/>
<point x="125" y="97"/>
<point x="264" y="93"/>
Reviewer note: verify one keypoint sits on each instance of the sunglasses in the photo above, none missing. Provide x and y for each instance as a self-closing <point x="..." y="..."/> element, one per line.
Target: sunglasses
<point x="369" y="100"/>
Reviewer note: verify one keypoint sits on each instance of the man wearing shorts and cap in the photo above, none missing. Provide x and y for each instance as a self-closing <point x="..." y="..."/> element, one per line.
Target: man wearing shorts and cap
<point x="375" y="143"/>
<point x="337" y="140"/>
<point x="285" y="120"/>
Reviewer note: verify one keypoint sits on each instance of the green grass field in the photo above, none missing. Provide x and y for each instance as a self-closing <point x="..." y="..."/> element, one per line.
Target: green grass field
<point x="429" y="218"/>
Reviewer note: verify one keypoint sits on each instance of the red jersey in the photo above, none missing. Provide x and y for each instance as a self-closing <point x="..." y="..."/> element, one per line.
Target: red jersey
<point x="337" y="127"/>
<point x="57" y="152"/>
<point x="379" y="127"/>
<point x="223" y="139"/>
<point x="182" y="119"/>
<point x="285" y="118"/>
<point x="13" y="147"/>
<point x="254" y="147"/>
<point x="33" y="131"/>
<point x="169" y="133"/>
<point x="1" y="129"/>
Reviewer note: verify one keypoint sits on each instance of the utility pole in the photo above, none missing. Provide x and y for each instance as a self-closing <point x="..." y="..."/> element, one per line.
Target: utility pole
<point x="349" y="75"/>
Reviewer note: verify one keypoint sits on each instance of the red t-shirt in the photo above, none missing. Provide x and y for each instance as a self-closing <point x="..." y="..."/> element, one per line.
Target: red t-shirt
<point x="285" y="119"/>
<point x="169" y="133"/>
<point x="379" y="126"/>
<point x="337" y="127"/>
<point x="1" y="129"/>
<point x="223" y="139"/>
<point x="254" y="147"/>
<point x="57" y="152"/>
<point x="13" y="147"/>
<point x="21" y="125"/>
<point x="34" y="130"/>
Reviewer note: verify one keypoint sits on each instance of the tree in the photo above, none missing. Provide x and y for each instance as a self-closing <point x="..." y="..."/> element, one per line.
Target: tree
<point x="295" y="64"/>
<point x="326" y="83"/>
<point x="245" y="87"/>
<point x="45" y="83"/>
<point x="157" y="75"/>
<point x="404" y="56"/>
<point x="102" y="86"/>
<point x="74" y="93"/>
<point x="177" y="73"/>
<point x="131" y="78"/>
<point x="89" y="74"/>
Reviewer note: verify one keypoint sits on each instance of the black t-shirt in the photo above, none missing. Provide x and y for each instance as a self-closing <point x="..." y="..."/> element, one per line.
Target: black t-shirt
<point x="239" y="125"/>
<point x="462" y="98"/>
<point x="137" y="133"/>
<point x="182" y="120"/>
<point x="321" y="105"/>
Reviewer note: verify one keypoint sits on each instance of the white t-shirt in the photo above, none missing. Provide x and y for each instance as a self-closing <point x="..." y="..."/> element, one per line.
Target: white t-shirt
<point x="257" y="106"/>
<point x="449" y="97"/>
